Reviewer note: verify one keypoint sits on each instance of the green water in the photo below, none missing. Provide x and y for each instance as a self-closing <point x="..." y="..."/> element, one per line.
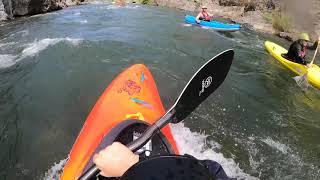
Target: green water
<point x="53" y="67"/>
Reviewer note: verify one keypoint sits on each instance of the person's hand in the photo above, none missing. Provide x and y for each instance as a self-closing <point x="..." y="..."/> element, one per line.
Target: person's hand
<point x="309" y="65"/>
<point x="115" y="160"/>
<point x="198" y="21"/>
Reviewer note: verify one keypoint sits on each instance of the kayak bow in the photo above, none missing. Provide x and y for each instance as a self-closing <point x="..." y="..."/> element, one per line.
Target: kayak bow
<point x="132" y="95"/>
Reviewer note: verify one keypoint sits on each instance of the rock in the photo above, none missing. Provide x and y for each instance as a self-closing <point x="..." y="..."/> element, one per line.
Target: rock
<point x="8" y="8"/>
<point x="265" y="4"/>
<point x="249" y="7"/>
<point x="181" y="4"/>
<point x="72" y="2"/>
<point x="29" y="7"/>
<point x="11" y="8"/>
<point x="3" y="14"/>
<point x="232" y="2"/>
<point x="285" y="35"/>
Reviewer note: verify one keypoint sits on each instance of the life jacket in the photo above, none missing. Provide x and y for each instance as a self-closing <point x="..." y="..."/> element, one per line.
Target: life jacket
<point x="205" y="16"/>
<point x="303" y="52"/>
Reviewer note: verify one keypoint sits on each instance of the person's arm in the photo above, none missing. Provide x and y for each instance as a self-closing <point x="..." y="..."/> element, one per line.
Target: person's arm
<point x="115" y="160"/>
<point x="215" y="169"/>
<point x="198" y="18"/>
<point x="314" y="45"/>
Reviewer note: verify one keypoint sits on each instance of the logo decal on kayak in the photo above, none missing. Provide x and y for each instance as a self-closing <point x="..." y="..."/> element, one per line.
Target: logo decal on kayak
<point x="130" y="87"/>
<point x="205" y="84"/>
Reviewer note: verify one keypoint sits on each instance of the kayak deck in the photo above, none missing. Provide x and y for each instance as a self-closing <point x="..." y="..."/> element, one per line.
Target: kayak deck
<point x="132" y="95"/>
<point x="313" y="75"/>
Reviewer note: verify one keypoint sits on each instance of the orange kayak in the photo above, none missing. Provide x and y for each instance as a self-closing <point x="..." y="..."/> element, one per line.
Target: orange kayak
<point x="122" y="113"/>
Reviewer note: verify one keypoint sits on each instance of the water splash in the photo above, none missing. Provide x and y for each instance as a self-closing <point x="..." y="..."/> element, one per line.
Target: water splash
<point x="195" y="144"/>
<point x="276" y="145"/>
<point x="54" y="172"/>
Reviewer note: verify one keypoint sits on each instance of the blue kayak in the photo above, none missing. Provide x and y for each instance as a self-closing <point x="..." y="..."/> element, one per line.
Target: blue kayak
<point x="216" y="25"/>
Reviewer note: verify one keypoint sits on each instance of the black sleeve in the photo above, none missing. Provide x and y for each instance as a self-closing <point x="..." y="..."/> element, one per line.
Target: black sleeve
<point x="312" y="46"/>
<point x="215" y="170"/>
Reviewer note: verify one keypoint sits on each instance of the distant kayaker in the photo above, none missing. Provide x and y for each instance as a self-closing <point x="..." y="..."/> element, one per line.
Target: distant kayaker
<point x="120" y="3"/>
<point x="116" y="159"/>
<point x="203" y="15"/>
<point x="298" y="49"/>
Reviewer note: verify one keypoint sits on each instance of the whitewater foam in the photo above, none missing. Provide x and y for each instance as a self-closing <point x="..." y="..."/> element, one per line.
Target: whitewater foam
<point x="38" y="46"/>
<point x="83" y="21"/>
<point x="54" y="172"/>
<point x="7" y="60"/>
<point x="276" y="145"/>
<point x="7" y="44"/>
<point x="32" y="49"/>
<point x="195" y="144"/>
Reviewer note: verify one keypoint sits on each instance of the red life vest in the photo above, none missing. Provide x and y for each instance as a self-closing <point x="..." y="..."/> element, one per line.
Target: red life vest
<point x="205" y="16"/>
<point x="303" y="52"/>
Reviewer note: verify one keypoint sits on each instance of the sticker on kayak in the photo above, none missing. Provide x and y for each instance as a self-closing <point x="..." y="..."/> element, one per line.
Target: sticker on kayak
<point x="130" y="87"/>
<point x="298" y="69"/>
<point x="142" y="77"/>
<point x="142" y="102"/>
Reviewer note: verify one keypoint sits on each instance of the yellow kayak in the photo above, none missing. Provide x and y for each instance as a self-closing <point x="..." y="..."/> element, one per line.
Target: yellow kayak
<point x="313" y="75"/>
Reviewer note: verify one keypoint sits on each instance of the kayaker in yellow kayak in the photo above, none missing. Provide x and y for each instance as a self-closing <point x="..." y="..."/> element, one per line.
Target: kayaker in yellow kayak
<point x="116" y="159"/>
<point x="203" y="15"/>
<point x="298" y="49"/>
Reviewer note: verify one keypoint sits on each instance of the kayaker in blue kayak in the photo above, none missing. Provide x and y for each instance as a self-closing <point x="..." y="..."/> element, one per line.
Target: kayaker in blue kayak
<point x="116" y="159"/>
<point x="298" y="49"/>
<point x="204" y="15"/>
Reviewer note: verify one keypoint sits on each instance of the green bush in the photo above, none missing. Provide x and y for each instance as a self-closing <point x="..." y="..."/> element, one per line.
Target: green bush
<point x="280" y="21"/>
<point x="144" y="1"/>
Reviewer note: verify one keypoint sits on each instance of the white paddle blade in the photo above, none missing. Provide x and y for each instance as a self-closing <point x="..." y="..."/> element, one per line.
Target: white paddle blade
<point x="302" y="81"/>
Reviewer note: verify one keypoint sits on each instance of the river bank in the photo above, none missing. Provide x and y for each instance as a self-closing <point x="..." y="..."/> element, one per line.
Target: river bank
<point x="266" y="16"/>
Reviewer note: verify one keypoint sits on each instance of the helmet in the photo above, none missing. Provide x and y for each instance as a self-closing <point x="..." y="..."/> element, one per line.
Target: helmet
<point x="204" y="7"/>
<point x="304" y="36"/>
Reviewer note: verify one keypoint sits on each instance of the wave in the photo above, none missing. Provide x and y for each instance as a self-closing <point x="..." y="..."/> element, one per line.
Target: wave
<point x="38" y="46"/>
<point x="7" y="60"/>
<point x="195" y="144"/>
<point x="32" y="49"/>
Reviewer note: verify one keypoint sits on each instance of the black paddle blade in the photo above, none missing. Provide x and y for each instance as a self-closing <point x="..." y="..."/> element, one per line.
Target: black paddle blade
<point x="204" y="82"/>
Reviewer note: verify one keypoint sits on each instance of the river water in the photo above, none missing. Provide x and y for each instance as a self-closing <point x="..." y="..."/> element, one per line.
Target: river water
<point x="259" y="124"/>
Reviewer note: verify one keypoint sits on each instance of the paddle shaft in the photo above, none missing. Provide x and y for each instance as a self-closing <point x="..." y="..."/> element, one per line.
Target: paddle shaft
<point x="314" y="56"/>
